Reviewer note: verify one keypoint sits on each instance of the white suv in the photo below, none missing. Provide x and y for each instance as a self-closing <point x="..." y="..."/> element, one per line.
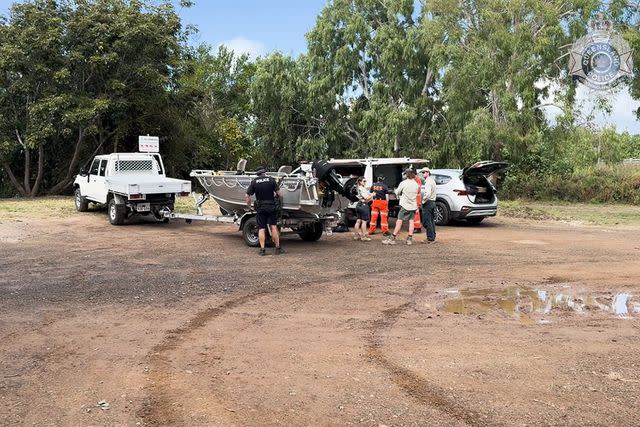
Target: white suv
<point x="466" y="194"/>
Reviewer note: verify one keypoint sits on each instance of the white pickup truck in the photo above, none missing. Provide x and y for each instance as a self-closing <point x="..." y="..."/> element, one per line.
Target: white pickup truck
<point x="129" y="184"/>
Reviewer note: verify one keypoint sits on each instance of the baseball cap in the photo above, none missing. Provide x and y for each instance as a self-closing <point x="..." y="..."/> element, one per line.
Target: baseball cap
<point x="261" y="169"/>
<point x="425" y="169"/>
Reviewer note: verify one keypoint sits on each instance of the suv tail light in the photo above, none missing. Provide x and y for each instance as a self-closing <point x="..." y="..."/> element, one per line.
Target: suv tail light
<point x="136" y="196"/>
<point x="461" y="192"/>
<point x="183" y="193"/>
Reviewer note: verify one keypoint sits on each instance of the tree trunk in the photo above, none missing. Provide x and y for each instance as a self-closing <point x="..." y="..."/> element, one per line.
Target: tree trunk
<point x="27" y="171"/>
<point x="36" y="185"/>
<point x="13" y="179"/>
<point x="66" y="181"/>
<point x="427" y="82"/>
<point x="499" y="119"/>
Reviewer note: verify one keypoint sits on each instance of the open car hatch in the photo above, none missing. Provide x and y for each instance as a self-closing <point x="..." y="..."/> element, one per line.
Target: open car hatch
<point x="485" y="167"/>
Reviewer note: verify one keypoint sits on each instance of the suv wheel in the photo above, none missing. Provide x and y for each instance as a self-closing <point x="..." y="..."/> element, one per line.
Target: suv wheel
<point x="442" y="214"/>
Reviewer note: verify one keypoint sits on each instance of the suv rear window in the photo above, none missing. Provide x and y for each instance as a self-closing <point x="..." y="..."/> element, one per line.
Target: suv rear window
<point x="441" y="179"/>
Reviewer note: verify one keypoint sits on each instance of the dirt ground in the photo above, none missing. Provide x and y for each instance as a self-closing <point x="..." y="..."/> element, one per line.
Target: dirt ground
<point x="509" y="322"/>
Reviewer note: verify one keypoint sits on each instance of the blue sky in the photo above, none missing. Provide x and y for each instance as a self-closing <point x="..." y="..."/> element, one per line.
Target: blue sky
<point x="255" y="26"/>
<point x="259" y="27"/>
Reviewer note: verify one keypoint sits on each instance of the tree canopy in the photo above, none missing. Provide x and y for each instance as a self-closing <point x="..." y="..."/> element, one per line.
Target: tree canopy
<point x="454" y="82"/>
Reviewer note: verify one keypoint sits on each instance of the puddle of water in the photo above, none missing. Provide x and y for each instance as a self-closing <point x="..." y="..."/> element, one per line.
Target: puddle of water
<point x="524" y="302"/>
<point x="620" y="304"/>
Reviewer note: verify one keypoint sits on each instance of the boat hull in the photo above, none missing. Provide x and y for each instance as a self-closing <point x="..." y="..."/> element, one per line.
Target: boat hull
<point x="300" y="195"/>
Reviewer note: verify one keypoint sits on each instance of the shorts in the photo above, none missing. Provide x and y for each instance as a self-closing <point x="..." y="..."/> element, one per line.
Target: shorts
<point x="363" y="212"/>
<point x="266" y="215"/>
<point x="405" y="215"/>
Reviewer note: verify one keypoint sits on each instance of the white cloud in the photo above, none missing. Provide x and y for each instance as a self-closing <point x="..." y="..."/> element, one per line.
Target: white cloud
<point x="240" y="46"/>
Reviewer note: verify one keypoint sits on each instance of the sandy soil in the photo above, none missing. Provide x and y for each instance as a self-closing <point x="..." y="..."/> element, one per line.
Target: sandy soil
<point x="509" y="322"/>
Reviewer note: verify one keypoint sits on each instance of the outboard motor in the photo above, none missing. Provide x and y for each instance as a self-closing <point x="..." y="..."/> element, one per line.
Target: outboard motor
<point x="326" y="172"/>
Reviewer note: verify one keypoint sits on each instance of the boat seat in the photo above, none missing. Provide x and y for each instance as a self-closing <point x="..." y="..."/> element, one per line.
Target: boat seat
<point x="285" y="169"/>
<point x="240" y="168"/>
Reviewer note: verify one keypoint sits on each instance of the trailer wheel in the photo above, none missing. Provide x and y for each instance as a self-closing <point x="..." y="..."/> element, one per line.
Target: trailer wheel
<point x="250" y="232"/>
<point x="117" y="213"/>
<point x="311" y="232"/>
<point x="82" y="204"/>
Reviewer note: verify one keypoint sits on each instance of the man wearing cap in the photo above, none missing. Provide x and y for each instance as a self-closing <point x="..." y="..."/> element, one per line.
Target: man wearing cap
<point x="408" y="192"/>
<point x="429" y="205"/>
<point x="266" y="190"/>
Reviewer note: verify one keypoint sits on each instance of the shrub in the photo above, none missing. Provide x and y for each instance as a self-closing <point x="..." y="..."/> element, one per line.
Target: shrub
<point x="601" y="184"/>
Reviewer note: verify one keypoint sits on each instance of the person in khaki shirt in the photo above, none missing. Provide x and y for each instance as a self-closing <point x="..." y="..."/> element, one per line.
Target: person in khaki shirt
<point x="408" y="192"/>
<point x="429" y="205"/>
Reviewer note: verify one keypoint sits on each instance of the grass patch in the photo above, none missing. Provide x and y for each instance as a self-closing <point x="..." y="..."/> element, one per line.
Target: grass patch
<point x="40" y="207"/>
<point x="587" y="213"/>
<point x="186" y="205"/>
<point x="64" y="206"/>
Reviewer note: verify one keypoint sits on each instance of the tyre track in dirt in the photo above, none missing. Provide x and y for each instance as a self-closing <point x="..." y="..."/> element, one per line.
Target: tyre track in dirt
<point x="417" y="387"/>
<point x="158" y="408"/>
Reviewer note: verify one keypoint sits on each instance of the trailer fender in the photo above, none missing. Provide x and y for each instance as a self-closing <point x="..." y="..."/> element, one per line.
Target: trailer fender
<point x="240" y="221"/>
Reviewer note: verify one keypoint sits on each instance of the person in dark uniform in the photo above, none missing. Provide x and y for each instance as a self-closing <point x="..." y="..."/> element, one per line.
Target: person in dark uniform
<point x="266" y="190"/>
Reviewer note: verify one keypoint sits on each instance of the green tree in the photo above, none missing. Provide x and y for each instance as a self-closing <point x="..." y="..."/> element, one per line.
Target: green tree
<point x="32" y="74"/>
<point x="371" y="72"/>
<point x="83" y="76"/>
<point x="217" y="90"/>
<point x="280" y="107"/>
<point x="499" y="59"/>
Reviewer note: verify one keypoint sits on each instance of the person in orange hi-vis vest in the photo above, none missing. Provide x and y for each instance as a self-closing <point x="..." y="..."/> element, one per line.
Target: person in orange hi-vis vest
<point x="380" y="206"/>
<point x="416" y="221"/>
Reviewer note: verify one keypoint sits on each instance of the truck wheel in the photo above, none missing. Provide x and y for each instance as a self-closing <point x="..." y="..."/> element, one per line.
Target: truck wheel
<point x="442" y="214"/>
<point x="250" y="232"/>
<point x="311" y="232"/>
<point x="82" y="204"/>
<point x="117" y="213"/>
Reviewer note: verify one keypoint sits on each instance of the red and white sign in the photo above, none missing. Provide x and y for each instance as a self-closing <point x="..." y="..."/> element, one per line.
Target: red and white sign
<point x="148" y="144"/>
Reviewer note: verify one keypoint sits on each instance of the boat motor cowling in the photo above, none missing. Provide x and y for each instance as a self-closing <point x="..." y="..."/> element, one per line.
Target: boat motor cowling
<point x="326" y="172"/>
